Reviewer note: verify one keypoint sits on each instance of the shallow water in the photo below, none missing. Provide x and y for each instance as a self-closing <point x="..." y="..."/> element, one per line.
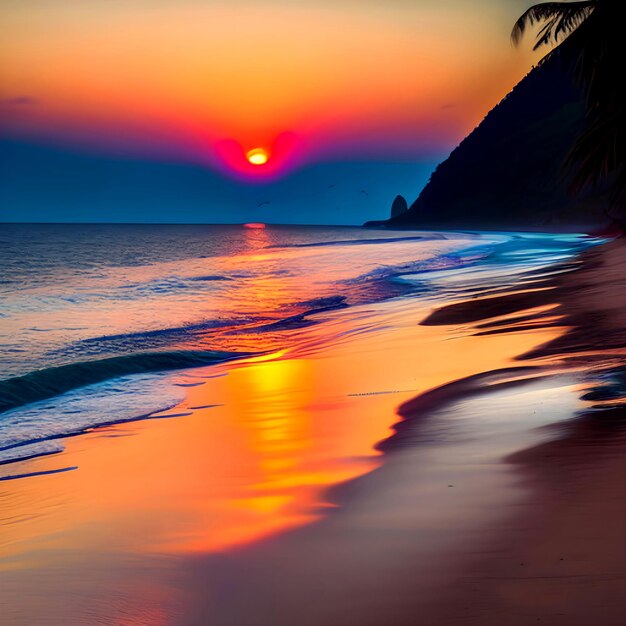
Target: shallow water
<point x="85" y="304"/>
<point x="166" y="497"/>
<point x="75" y="292"/>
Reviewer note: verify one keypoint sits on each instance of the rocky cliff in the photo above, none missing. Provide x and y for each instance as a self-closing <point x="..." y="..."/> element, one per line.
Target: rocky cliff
<point x="507" y="173"/>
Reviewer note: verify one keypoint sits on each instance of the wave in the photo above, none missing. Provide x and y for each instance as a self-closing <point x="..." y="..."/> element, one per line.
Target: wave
<point x="50" y="382"/>
<point x="28" y="452"/>
<point x="99" y="361"/>
<point x="37" y="427"/>
<point x="164" y="337"/>
<point x="150" y="340"/>
<point x="209" y="278"/>
<point x="443" y="262"/>
<point x="362" y="242"/>
<point x="299" y="320"/>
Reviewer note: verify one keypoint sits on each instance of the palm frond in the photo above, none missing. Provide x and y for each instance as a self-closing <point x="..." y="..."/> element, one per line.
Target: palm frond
<point x="559" y="20"/>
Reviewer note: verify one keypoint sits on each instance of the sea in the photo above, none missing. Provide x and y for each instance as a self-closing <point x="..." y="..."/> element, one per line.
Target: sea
<point x="94" y="317"/>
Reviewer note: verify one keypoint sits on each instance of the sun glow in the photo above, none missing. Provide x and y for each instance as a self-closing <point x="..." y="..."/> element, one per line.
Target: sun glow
<point x="258" y="156"/>
<point x="272" y="157"/>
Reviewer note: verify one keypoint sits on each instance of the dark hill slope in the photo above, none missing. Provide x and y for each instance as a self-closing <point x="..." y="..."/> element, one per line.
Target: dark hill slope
<point x="507" y="172"/>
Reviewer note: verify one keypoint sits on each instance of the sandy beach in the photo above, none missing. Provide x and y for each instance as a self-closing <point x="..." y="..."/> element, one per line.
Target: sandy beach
<point x="458" y="463"/>
<point x="561" y="560"/>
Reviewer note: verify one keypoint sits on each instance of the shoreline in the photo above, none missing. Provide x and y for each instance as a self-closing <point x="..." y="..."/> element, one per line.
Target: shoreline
<point x="563" y="559"/>
<point x="423" y="523"/>
<point x="553" y="555"/>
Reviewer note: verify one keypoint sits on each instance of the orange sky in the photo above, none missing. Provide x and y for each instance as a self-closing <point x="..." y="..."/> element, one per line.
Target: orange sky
<point x="347" y="78"/>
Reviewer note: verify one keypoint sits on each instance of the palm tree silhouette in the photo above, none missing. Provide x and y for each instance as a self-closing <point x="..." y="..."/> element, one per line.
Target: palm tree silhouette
<point x="593" y="37"/>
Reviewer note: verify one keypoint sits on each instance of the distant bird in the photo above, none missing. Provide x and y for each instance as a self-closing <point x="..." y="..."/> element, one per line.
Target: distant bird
<point x="331" y="186"/>
<point x="262" y="203"/>
<point x="365" y="192"/>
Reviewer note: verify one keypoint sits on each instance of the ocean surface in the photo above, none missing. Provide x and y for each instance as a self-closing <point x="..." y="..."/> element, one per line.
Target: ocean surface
<point x="284" y="425"/>
<point x="93" y="317"/>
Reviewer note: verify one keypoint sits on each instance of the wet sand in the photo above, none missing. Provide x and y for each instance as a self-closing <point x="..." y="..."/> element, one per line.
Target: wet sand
<point x="534" y="536"/>
<point x="466" y="470"/>
<point x="563" y="559"/>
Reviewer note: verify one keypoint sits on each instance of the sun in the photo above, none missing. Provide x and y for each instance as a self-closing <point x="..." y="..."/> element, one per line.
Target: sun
<point x="258" y="156"/>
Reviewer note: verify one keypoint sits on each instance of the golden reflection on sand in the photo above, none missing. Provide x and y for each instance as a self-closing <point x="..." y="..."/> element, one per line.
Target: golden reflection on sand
<point x="287" y="428"/>
<point x="252" y="452"/>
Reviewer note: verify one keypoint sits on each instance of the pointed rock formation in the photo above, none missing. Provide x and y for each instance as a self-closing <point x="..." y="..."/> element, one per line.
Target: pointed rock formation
<point x="399" y="206"/>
